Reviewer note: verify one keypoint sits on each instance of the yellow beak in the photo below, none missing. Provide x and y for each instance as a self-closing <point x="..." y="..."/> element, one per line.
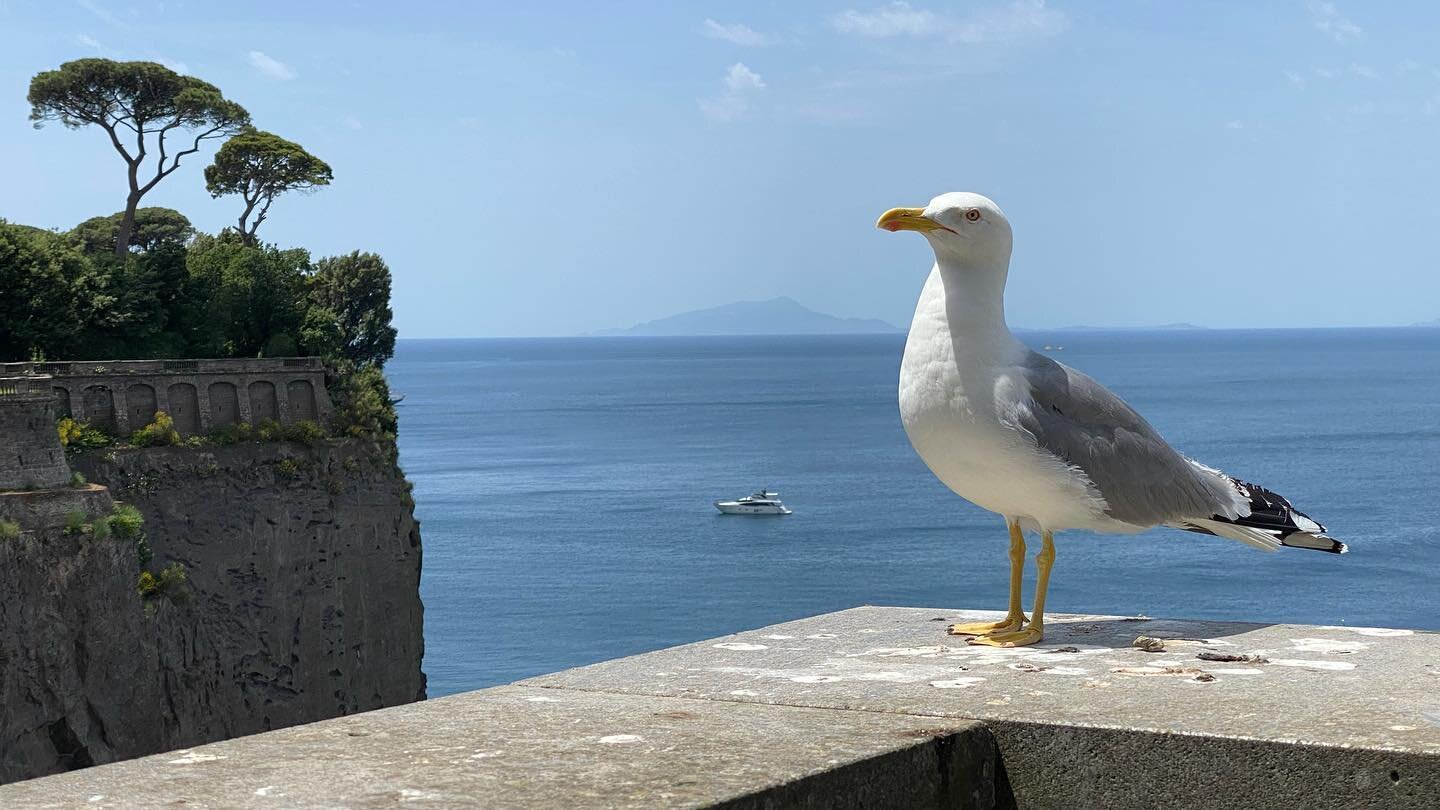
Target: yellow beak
<point x="908" y="219"/>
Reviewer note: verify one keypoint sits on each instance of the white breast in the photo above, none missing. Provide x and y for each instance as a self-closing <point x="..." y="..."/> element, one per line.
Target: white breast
<point x="957" y="387"/>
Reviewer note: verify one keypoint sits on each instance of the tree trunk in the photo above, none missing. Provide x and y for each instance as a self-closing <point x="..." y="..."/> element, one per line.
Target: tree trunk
<point x="127" y="226"/>
<point x="247" y="234"/>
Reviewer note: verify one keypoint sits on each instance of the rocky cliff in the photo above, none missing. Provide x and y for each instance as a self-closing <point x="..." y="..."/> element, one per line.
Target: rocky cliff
<point x="301" y="601"/>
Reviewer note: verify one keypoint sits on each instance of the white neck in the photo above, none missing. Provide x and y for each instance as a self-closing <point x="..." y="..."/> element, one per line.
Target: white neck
<point x="975" y="302"/>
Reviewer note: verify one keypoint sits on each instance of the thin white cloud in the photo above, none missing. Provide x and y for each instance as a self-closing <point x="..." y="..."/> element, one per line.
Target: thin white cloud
<point x="741" y="85"/>
<point x="1020" y="19"/>
<point x="894" y="20"/>
<point x="87" y="41"/>
<point x="271" y="67"/>
<point x="102" y="13"/>
<point x="734" y="33"/>
<point x="1355" y="69"/>
<point x="1329" y="21"/>
<point x="1295" y="78"/>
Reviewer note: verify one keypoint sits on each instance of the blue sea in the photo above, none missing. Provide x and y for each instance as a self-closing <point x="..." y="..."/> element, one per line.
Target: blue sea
<point x="564" y="488"/>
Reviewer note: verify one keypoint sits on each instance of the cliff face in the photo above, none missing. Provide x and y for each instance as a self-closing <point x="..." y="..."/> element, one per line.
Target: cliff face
<point x="78" y="662"/>
<point x="302" y="603"/>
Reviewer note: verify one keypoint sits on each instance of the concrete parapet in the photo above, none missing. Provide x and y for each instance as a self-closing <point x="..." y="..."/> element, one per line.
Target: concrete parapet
<point x="199" y="394"/>
<point x="870" y="707"/>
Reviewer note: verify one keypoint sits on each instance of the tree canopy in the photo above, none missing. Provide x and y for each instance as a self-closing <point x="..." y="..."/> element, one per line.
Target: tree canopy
<point x="36" y="310"/>
<point x="260" y="166"/>
<point x="139" y="105"/>
<point x="355" y="291"/>
<point x="154" y="227"/>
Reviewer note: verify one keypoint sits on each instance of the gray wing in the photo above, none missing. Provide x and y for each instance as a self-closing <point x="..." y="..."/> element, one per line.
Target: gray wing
<point x="1143" y="479"/>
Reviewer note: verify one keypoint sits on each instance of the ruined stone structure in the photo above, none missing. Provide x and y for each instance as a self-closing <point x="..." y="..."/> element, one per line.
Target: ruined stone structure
<point x="200" y="395"/>
<point x="30" y="453"/>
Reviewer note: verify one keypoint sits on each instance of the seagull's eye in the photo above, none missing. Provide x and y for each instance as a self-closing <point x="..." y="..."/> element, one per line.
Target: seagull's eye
<point x="973" y="215"/>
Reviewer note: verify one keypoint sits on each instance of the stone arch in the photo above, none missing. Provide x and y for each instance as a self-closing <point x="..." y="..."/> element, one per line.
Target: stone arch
<point x="302" y="400"/>
<point x="263" y="402"/>
<point x="224" y="404"/>
<point x="98" y="406"/>
<point x="62" y="402"/>
<point x="184" y="408"/>
<point x="140" y="405"/>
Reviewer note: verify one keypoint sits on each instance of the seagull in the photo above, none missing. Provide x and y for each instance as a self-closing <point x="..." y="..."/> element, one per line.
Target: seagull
<point x="1037" y="442"/>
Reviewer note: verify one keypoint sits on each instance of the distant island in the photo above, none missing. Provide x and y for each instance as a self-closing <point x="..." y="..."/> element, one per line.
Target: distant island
<point x="777" y="316"/>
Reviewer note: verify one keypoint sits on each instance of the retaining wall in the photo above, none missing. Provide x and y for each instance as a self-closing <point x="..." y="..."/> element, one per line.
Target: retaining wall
<point x="200" y="395"/>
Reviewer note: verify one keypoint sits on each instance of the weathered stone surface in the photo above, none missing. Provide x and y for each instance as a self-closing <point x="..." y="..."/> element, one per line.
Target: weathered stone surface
<point x="30" y="453"/>
<point x="78" y="661"/>
<point x="1333" y="717"/>
<point x="303" y="604"/>
<point x="524" y="747"/>
<point x="305" y="567"/>
<point x="871" y="707"/>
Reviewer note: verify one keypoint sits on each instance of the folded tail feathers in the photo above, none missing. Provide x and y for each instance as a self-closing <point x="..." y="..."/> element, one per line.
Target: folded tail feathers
<point x="1272" y="523"/>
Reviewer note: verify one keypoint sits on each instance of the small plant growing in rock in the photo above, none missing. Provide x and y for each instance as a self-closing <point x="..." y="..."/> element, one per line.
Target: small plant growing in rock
<point x="170" y="582"/>
<point x="231" y="434"/>
<point x="159" y="433"/>
<point x="269" y="430"/>
<point x="306" y="432"/>
<point x="77" y="437"/>
<point x="100" y="529"/>
<point x="126" y="522"/>
<point x="9" y="530"/>
<point x="75" y="523"/>
<point x="77" y="480"/>
<point x="288" y="468"/>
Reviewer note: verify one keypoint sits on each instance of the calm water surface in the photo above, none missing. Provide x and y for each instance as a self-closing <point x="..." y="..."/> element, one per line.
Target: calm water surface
<point x="564" y="488"/>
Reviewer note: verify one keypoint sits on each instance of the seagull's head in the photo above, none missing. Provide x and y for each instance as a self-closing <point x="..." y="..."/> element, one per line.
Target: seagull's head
<point x="959" y="225"/>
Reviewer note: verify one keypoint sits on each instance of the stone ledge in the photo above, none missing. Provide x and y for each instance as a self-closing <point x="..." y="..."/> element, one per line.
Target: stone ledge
<point x="870" y="707"/>
<point x="528" y="747"/>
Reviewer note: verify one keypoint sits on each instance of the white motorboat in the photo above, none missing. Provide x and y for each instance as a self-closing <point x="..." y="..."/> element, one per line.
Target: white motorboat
<point x="758" y="503"/>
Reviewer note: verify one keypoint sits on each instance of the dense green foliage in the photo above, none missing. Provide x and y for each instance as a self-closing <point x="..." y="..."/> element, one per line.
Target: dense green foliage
<point x="155" y="228"/>
<point x="37" y="272"/>
<point x="350" y="296"/>
<point x="214" y="296"/>
<point x="260" y="166"/>
<point x="137" y="104"/>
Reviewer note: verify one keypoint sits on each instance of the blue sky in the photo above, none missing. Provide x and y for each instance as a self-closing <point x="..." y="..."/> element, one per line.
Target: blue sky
<point x="555" y="168"/>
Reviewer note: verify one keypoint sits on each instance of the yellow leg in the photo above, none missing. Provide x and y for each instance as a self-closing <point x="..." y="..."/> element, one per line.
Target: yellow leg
<point x="1034" y="631"/>
<point x="1015" y="618"/>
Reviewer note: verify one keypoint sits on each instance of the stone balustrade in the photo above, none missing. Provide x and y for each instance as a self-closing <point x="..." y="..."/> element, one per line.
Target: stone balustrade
<point x="200" y="394"/>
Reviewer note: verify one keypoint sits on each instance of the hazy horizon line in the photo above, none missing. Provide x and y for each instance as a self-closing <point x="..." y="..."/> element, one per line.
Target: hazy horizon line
<point x="1077" y="329"/>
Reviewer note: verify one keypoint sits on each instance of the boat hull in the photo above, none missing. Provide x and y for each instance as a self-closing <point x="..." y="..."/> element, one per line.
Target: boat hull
<point x="735" y="508"/>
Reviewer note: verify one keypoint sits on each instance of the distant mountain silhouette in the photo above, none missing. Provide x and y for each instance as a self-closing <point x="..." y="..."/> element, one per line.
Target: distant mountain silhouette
<point x="1435" y="322"/>
<point x="777" y="316"/>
